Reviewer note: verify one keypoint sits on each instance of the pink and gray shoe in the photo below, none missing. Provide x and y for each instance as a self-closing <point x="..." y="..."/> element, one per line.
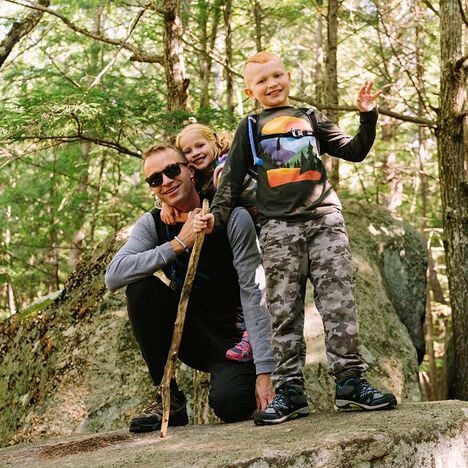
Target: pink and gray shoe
<point x="242" y="352"/>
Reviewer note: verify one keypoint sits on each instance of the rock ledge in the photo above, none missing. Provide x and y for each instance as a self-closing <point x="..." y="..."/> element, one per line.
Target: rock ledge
<point x="414" y="435"/>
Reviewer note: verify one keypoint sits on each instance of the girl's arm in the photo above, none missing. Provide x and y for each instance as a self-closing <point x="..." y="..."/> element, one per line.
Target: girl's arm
<point x="169" y="214"/>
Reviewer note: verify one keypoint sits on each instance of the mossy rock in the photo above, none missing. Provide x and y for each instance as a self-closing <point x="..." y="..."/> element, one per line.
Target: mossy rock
<point x="75" y="367"/>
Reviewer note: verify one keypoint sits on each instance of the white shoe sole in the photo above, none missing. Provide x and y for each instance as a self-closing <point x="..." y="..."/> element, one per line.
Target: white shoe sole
<point x="299" y="413"/>
<point x="353" y="406"/>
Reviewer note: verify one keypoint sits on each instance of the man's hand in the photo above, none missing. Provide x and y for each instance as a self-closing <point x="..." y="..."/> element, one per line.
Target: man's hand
<point x="187" y="233"/>
<point x="204" y="223"/>
<point x="365" y="100"/>
<point x="264" y="393"/>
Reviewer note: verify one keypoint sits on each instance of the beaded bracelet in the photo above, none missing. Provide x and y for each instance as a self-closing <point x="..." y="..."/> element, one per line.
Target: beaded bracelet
<point x="183" y="244"/>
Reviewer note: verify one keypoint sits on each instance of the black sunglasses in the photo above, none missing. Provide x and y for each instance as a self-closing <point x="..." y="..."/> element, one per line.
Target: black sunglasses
<point x="171" y="171"/>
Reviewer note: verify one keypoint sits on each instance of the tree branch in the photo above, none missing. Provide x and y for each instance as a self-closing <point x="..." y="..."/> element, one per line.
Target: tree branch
<point x="138" y="55"/>
<point x="402" y="65"/>
<point x="462" y="12"/>
<point x="395" y="115"/>
<point x="19" y="29"/>
<point x="210" y="53"/>
<point x="68" y="78"/>
<point x="113" y="60"/>
<point x="430" y="6"/>
<point x="461" y="62"/>
<point x="82" y="137"/>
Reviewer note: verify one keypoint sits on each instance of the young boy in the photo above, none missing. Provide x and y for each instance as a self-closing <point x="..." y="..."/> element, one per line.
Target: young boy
<point x="303" y="233"/>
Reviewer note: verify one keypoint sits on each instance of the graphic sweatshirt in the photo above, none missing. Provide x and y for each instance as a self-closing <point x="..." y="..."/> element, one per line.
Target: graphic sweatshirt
<point x="292" y="183"/>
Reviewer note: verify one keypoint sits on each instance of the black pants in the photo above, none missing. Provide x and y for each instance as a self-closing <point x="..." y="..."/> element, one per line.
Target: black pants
<point x="152" y="308"/>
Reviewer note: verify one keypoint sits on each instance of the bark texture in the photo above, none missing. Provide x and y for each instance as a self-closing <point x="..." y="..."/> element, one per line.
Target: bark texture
<point x="19" y="29"/>
<point x="452" y="155"/>
<point x="331" y="84"/>
<point x="176" y="79"/>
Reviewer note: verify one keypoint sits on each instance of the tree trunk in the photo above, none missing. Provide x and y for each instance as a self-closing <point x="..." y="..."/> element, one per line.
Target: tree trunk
<point x="452" y="151"/>
<point x="258" y="25"/>
<point x="208" y="40"/>
<point x="81" y="210"/>
<point x="19" y="29"/>
<point x="390" y="171"/>
<point x="227" y="11"/>
<point x="10" y="291"/>
<point x="52" y="257"/>
<point x="331" y="84"/>
<point x="319" y="54"/>
<point x="176" y="79"/>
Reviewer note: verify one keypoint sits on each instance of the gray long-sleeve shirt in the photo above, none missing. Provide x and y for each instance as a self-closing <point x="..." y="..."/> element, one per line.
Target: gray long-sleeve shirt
<point x="144" y="254"/>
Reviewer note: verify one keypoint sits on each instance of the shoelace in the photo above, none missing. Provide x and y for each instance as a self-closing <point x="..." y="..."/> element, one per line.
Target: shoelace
<point x="280" y="401"/>
<point x="243" y="345"/>
<point x="155" y="406"/>
<point x="365" y="389"/>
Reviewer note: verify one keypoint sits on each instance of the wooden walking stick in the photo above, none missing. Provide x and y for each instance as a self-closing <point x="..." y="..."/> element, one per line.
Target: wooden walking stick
<point x="169" y="370"/>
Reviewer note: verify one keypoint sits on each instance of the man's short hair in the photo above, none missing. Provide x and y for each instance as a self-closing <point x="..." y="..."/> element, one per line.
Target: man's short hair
<point x="261" y="57"/>
<point x="160" y="148"/>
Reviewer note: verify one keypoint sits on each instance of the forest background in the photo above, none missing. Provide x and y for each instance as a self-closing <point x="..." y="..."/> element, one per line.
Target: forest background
<point x="86" y="85"/>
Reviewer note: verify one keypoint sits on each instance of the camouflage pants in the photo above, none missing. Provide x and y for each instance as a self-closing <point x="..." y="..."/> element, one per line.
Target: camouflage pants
<point x="319" y="250"/>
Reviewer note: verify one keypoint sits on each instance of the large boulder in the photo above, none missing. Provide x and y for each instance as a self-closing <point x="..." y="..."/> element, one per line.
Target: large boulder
<point x="431" y="434"/>
<point x="74" y="367"/>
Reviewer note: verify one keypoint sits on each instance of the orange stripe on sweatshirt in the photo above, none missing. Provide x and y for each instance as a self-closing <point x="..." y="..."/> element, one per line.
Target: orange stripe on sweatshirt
<point x="277" y="177"/>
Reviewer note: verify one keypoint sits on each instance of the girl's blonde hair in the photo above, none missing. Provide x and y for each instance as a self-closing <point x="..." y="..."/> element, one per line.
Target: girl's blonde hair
<point x="220" y="141"/>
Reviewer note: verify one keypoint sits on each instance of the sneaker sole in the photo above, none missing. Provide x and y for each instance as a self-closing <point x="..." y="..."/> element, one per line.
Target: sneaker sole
<point x="299" y="413"/>
<point x="353" y="406"/>
<point x="142" y="427"/>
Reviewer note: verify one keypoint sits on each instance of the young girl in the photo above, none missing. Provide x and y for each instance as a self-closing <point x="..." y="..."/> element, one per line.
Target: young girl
<point x="206" y="152"/>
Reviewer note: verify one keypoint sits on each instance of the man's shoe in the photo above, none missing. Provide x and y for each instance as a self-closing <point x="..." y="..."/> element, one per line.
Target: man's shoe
<point x="356" y="393"/>
<point x="151" y="418"/>
<point x="290" y="402"/>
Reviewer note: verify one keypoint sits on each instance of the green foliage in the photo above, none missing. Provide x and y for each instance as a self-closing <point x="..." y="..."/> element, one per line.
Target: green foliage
<point x="70" y="143"/>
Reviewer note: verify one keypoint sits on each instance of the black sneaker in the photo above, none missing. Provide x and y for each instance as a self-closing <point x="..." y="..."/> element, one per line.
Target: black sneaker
<point x="151" y="418"/>
<point x="356" y="393"/>
<point x="290" y="402"/>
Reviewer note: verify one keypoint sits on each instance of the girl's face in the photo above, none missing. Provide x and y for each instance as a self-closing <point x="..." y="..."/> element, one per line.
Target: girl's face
<point x="197" y="149"/>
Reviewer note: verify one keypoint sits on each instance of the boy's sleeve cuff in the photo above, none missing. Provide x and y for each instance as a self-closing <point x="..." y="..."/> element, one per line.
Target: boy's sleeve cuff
<point x="370" y="116"/>
<point x="264" y="367"/>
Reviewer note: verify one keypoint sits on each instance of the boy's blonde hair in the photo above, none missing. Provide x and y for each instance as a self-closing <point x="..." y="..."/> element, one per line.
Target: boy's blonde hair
<point x="221" y="142"/>
<point x="261" y="57"/>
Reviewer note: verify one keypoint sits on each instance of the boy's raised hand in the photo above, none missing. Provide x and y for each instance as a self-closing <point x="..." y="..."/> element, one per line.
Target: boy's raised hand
<point x="366" y="101"/>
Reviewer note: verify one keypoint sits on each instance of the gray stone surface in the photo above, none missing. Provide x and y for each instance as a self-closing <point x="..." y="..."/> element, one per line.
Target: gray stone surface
<point x="412" y="435"/>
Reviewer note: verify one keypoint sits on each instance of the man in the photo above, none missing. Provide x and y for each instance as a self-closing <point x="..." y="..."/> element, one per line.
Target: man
<point x="214" y="313"/>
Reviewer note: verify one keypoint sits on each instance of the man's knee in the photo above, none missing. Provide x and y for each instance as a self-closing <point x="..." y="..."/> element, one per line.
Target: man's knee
<point x="139" y="288"/>
<point x="232" y="394"/>
<point x="145" y="294"/>
<point x="230" y="407"/>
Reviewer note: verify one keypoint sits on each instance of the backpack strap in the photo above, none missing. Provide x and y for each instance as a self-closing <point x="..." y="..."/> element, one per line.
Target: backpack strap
<point x="163" y="234"/>
<point x="313" y="120"/>
<point x="252" y="123"/>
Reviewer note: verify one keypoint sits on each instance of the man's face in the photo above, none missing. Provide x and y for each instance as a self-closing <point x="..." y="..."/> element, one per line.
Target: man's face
<point x="173" y="191"/>
<point x="268" y="82"/>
